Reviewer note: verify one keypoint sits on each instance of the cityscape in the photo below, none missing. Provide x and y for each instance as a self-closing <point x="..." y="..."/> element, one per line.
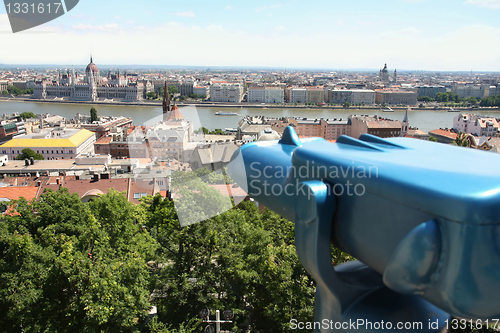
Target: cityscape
<point x="118" y="213"/>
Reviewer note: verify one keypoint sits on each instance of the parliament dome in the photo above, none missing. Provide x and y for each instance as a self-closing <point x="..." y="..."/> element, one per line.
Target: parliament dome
<point x="91" y="66"/>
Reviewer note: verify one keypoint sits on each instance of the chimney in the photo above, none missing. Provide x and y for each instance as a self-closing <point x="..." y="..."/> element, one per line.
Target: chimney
<point x="26" y="162"/>
<point x="96" y="177"/>
<point x="77" y="177"/>
<point x="38" y="183"/>
<point x="58" y="181"/>
<point x="32" y="160"/>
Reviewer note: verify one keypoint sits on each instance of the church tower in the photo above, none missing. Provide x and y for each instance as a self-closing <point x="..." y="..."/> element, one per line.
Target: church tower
<point x="92" y="87"/>
<point x="166" y="101"/>
<point x="405" y="125"/>
<point x="395" y="77"/>
<point x="384" y="74"/>
<point x="73" y="82"/>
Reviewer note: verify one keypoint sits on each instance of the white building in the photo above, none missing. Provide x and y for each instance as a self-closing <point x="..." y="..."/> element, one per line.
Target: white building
<point x="226" y="92"/>
<point x="476" y="90"/>
<point x="298" y="95"/>
<point x="265" y="94"/>
<point x="362" y="96"/>
<point x="56" y="143"/>
<point x="274" y="95"/>
<point x="92" y="87"/>
<point x="475" y="125"/>
<point x="201" y="91"/>
<point x="256" y="94"/>
<point x="168" y="139"/>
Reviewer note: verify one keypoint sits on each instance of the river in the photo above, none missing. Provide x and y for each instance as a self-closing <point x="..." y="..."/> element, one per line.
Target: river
<point x="202" y="116"/>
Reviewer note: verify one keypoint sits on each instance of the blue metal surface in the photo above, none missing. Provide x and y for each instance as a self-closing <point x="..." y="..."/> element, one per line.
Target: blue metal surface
<point x="422" y="216"/>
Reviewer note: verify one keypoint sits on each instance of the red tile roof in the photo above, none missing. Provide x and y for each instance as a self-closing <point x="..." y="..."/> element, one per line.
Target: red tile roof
<point x="16" y="192"/>
<point x="83" y="186"/>
<point x="446" y="133"/>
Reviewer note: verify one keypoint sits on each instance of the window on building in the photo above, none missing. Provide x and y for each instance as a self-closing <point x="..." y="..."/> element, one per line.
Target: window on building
<point x="140" y="195"/>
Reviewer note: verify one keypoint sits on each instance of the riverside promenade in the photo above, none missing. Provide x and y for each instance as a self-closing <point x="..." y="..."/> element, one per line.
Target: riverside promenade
<point x="158" y="103"/>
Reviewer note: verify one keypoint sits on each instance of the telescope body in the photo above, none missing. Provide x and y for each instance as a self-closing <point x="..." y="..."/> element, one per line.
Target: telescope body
<point x="423" y="218"/>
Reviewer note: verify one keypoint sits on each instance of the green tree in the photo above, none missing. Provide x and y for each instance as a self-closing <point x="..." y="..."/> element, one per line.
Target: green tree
<point x="472" y="100"/>
<point x="172" y="90"/>
<point x="27" y="153"/>
<point x="151" y="95"/>
<point x="161" y="91"/>
<point x="346" y="104"/>
<point x="425" y="99"/>
<point x="462" y="140"/>
<point x="15" y="91"/>
<point x="27" y="115"/>
<point x="442" y="97"/>
<point x="68" y="266"/>
<point x="490" y="101"/>
<point x="93" y="115"/>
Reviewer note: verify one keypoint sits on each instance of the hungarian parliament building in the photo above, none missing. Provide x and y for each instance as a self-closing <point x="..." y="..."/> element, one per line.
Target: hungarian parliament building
<point x="93" y="87"/>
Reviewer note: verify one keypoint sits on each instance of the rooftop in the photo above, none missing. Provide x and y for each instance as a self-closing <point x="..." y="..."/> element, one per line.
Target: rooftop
<point x="71" y="138"/>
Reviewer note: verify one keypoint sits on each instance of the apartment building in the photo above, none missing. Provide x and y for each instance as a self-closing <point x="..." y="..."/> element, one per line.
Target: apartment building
<point x="378" y="126"/>
<point x="315" y="95"/>
<point x="56" y="143"/>
<point x="226" y="92"/>
<point x="329" y="129"/>
<point x="396" y="97"/>
<point x="265" y="94"/>
<point x="476" y="125"/>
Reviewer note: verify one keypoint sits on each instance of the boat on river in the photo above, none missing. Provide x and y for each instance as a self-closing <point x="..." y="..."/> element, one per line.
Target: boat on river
<point x="222" y="113"/>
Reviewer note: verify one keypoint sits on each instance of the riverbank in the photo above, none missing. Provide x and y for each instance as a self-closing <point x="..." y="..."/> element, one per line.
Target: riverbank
<point x="150" y="103"/>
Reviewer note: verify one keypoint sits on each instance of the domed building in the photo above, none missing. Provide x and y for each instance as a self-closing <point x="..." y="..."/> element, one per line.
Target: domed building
<point x="92" y="87"/>
<point x="92" y="70"/>
<point x="384" y="74"/>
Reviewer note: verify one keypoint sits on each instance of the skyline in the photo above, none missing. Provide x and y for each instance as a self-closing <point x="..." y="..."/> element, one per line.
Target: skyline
<point x="413" y="35"/>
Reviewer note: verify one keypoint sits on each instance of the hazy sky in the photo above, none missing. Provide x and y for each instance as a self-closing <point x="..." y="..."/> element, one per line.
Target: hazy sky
<point x="405" y="34"/>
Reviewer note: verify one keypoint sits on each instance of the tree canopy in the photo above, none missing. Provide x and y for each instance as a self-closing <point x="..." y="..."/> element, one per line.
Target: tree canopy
<point x="13" y="90"/>
<point x="27" y="153"/>
<point x="74" y="266"/>
<point x="491" y="101"/>
<point x="93" y="115"/>
<point x="27" y="115"/>
<point x="462" y="140"/>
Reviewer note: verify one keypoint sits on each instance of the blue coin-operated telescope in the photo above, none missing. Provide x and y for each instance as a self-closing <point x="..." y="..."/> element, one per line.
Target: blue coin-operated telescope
<point x="422" y="218"/>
